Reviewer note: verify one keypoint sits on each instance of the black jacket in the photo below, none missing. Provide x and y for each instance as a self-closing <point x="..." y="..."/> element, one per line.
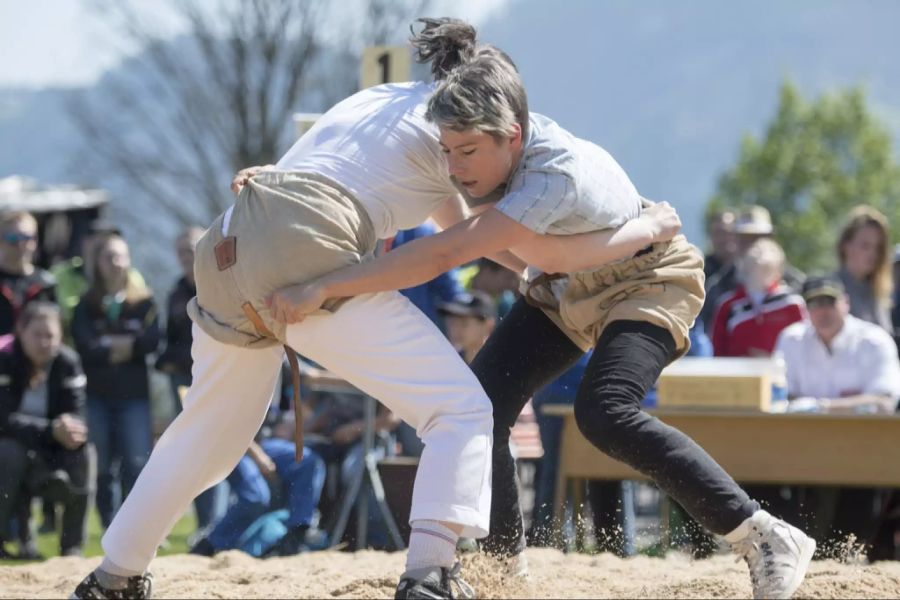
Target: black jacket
<point x="176" y="359"/>
<point x="18" y="290"/>
<point x="128" y="380"/>
<point x="65" y="394"/>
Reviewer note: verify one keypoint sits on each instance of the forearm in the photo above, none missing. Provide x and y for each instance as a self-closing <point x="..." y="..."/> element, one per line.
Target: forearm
<point x="422" y="260"/>
<point x="852" y="404"/>
<point x="510" y="261"/>
<point x="586" y="251"/>
<point x="256" y="453"/>
<point x="399" y="269"/>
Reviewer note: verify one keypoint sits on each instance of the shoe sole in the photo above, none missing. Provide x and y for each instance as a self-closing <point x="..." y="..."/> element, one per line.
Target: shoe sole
<point x="807" y="549"/>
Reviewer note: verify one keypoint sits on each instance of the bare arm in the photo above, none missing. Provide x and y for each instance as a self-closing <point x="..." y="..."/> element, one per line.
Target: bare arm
<point x="853" y="404"/>
<point x="588" y="251"/>
<point x="454" y="211"/>
<point x="407" y="266"/>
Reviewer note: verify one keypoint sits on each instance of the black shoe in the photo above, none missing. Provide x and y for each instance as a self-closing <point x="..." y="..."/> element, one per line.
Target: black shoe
<point x="140" y="587"/>
<point x="203" y="548"/>
<point x="437" y="583"/>
<point x="72" y="551"/>
<point x="293" y="542"/>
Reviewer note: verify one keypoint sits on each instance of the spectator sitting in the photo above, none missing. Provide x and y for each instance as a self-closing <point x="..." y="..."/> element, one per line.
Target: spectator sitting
<point x="20" y="281"/>
<point x="837" y="363"/>
<point x="444" y="288"/>
<point x="470" y="320"/>
<point x="73" y="275"/>
<point x="42" y="429"/>
<point x="266" y="479"/>
<point x="115" y="327"/>
<point x="864" y="254"/>
<point x="338" y="424"/>
<point x="752" y="223"/>
<point x="749" y="319"/>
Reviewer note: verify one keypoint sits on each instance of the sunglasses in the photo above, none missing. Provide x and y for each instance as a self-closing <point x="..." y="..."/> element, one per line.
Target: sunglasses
<point x="15" y="237"/>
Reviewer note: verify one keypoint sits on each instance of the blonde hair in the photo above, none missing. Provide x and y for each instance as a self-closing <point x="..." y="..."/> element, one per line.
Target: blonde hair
<point x="881" y="279"/>
<point x="16" y="216"/>
<point x="135" y="291"/>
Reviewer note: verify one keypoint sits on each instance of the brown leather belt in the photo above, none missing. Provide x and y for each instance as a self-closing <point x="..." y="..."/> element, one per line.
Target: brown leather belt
<point x="226" y="257"/>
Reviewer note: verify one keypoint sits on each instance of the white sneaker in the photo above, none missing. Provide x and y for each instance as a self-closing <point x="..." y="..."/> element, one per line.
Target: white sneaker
<point x="777" y="553"/>
<point x="516" y="567"/>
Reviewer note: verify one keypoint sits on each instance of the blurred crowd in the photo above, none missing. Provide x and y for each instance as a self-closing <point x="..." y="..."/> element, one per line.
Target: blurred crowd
<point x="78" y="344"/>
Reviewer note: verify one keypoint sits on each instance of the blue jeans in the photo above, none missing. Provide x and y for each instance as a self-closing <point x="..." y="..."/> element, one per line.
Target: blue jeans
<point x="121" y="432"/>
<point x="301" y="488"/>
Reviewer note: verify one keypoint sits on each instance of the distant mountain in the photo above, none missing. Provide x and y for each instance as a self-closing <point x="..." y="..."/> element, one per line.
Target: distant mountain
<point x="667" y="87"/>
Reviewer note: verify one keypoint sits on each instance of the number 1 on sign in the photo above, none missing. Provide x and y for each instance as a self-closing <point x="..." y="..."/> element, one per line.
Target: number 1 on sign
<point x="385" y="62"/>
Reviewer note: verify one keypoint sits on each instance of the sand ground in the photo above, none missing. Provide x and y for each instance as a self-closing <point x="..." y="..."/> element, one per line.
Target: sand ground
<point x="373" y="574"/>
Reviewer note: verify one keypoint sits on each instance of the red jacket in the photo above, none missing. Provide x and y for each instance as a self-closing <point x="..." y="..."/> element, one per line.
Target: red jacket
<point x="742" y="329"/>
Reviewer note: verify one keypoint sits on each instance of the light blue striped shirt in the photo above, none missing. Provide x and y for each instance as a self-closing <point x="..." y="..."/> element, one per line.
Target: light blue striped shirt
<point x="565" y="185"/>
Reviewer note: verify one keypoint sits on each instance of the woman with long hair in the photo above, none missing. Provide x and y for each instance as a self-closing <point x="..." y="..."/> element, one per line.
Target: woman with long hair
<point x="115" y="326"/>
<point x="864" y="252"/>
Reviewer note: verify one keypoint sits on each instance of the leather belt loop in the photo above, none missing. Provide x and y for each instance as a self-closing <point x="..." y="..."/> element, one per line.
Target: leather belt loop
<point x="226" y="253"/>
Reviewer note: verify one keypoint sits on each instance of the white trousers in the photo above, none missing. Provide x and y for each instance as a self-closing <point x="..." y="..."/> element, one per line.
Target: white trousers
<point x="380" y="343"/>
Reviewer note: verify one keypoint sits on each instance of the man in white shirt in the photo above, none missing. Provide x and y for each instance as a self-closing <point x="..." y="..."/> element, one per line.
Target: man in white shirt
<point x="835" y="362"/>
<point x="839" y="364"/>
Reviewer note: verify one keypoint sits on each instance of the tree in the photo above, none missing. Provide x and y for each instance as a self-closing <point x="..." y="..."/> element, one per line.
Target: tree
<point x="816" y="161"/>
<point x="181" y="116"/>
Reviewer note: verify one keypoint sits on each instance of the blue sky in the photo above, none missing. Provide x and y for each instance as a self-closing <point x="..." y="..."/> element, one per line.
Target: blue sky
<point x="63" y="43"/>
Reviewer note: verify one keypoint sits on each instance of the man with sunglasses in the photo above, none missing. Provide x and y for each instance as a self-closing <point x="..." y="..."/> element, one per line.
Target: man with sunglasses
<point x="20" y="280"/>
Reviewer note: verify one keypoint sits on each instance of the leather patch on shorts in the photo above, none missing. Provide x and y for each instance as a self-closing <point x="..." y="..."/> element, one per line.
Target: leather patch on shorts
<point x="226" y="253"/>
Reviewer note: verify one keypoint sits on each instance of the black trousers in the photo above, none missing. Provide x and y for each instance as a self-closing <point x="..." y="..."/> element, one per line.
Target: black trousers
<point x="22" y="470"/>
<point x="528" y="351"/>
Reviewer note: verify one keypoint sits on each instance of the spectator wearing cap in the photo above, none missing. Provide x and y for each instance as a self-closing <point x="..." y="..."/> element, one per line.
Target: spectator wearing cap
<point x="73" y="276"/>
<point x="838" y="363"/>
<point x="722" y="241"/>
<point x="752" y="223"/>
<point x="864" y="255"/>
<point x="470" y="319"/>
<point x="20" y="280"/>
<point x="749" y="319"/>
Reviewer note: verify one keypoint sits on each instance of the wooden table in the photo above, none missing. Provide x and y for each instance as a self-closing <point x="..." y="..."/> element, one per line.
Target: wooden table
<point x="801" y="449"/>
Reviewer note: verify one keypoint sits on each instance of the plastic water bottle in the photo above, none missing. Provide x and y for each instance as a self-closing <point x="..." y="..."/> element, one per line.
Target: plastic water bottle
<point x="779" y="378"/>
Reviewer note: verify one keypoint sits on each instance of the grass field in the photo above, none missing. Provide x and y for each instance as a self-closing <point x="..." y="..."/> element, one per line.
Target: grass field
<point x="48" y="544"/>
